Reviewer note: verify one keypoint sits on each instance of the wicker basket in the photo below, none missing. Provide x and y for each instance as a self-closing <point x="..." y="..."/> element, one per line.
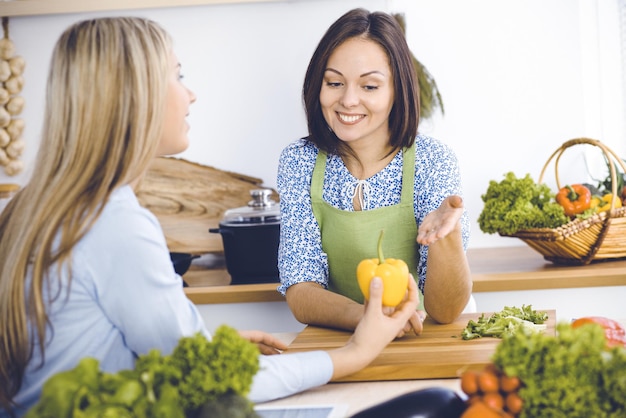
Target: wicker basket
<point x="581" y="241"/>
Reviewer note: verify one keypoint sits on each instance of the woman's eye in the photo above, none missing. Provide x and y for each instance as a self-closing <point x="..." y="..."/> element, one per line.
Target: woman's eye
<point x="333" y="84"/>
<point x="370" y="88"/>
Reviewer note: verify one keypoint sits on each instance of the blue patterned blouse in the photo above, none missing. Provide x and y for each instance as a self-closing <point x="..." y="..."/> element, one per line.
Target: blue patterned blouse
<point x="300" y="255"/>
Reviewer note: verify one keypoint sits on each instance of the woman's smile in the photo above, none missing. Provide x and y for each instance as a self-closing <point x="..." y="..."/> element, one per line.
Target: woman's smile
<point x="350" y="119"/>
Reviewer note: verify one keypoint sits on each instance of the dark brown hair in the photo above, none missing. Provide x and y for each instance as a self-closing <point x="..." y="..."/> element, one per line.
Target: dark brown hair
<point x="383" y="29"/>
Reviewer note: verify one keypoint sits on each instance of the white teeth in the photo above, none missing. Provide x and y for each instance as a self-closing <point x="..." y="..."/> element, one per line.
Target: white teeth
<point x="349" y="119"/>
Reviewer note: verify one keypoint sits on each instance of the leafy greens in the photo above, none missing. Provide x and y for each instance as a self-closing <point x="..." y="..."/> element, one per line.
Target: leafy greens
<point x="572" y="374"/>
<point x="197" y="374"/>
<point x="505" y="322"/>
<point x="515" y="203"/>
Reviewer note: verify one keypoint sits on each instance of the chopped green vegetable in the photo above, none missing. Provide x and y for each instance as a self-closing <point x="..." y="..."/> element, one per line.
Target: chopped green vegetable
<point x="198" y="374"/>
<point x="519" y="203"/>
<point x="505" y="322"/>
<point x="572" y="374"/>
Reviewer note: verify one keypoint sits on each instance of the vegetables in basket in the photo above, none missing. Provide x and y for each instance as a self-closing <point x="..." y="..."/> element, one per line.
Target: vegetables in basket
<point x="604" y="203"/>
<point x="516" y="203"/>
<point x="573" y="374"/>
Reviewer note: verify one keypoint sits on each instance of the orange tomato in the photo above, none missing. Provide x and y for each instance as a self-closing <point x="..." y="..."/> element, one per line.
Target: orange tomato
<point x="509" y="383"/>
<point x="494" y="400"/>
<point x="480" y="410"/>
<point x="469" y="382"/>
<point x="488" y="381"/>
<point x="513" y="403"/>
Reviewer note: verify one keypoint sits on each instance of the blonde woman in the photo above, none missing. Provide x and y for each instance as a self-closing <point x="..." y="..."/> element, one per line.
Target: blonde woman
<point x="86" y="269"/>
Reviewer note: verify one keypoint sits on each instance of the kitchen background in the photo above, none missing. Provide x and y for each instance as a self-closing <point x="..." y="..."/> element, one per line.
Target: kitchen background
<point x="517" y="77"/>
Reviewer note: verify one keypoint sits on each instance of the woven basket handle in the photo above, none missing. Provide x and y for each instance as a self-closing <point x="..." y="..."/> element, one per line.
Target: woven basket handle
<point x="611" y="156"/>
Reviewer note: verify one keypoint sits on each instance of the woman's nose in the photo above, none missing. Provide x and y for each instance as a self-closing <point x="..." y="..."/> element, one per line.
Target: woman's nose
<point x="192" y="96"/>
<point x="350" y="97"/>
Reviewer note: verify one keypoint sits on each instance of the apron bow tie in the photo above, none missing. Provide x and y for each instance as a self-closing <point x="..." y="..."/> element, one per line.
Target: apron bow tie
<point x="359" y="189"/>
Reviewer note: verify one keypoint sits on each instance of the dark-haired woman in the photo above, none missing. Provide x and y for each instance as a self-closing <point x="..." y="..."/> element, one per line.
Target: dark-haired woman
<point x="364" y="168"/>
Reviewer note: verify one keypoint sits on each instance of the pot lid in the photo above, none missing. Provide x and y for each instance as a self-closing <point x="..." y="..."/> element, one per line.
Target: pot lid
<point x="261" y="209"/>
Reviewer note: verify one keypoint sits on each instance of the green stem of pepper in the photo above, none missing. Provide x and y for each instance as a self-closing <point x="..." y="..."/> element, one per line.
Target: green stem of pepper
<point x="381" y="259"/>
<point x="572" y="195"/>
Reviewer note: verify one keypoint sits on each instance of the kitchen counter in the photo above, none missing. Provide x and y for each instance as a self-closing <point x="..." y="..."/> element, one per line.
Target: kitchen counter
<point x="357" y="396"/>
<point x="493" y="270"/>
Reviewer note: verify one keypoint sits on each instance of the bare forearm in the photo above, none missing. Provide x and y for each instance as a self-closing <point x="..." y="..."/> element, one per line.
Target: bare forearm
<point x="312" y="304"/>
<point x="448" y="283"/>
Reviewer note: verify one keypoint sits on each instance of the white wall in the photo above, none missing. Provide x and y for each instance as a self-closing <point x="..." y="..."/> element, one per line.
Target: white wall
<point x="518" y="78"/>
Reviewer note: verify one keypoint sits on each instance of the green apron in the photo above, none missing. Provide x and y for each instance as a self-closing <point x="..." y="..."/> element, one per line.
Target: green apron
<point x="351" y="236"/>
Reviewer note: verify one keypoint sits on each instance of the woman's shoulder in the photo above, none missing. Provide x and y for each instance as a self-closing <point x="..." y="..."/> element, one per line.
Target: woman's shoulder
<point x="300" y="148"/>
<point x="295" y="167"/>
<point x="297" y="158"/>
<point x="122" y="211"/>
<point x="429" y="149"/>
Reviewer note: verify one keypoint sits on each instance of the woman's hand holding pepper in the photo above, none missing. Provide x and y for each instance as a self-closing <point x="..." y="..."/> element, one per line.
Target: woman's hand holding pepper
<point x="374" y="331"/>
<point x="414" y="323"/>
<point x="440" y="222"/>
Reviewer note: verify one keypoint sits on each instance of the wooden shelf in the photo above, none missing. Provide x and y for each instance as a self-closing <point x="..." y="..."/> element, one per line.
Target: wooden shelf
<point x="47" y="7"/>
<point x="493" y="270"/>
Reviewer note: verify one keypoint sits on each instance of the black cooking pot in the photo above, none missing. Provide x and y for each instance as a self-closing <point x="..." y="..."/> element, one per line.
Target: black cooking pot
<point x="250" y="235"/>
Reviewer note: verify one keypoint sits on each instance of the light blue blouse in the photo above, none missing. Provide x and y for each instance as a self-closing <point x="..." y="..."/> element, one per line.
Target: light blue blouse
<point x="300" y="254"/>
<point x="125" y="299"/>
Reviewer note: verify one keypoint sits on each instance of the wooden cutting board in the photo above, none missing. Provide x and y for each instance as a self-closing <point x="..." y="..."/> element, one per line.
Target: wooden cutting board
<point x="439" y="352"/>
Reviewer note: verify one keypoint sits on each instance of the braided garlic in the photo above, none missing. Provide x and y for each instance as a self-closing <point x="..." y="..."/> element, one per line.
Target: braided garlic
<point x="11" y="104"/>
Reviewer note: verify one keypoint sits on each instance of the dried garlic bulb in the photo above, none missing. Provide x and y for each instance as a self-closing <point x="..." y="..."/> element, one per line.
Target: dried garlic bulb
<point x="15" y="128"/>
<point x="15" y="148"/>
<point x="14" y="84"/>
<point x="5" y="138"/>
<point x="4" y="96"/>
<point x="13" y="167"/>
<point x="4" y="158"/>
<point x="7" y="48"/>
<point x="15" y="105"/>
<point x="17" y="65"/>
<point x="5" y="70"/>
<point x="5" y="118"/>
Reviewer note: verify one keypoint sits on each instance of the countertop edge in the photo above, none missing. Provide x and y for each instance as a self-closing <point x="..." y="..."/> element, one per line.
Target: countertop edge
<point x="493" y="270"/>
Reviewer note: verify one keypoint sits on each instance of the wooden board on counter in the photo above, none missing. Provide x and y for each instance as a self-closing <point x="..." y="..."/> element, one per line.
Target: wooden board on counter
<point x="439" y="352"/>
<point x="189" y="198"/>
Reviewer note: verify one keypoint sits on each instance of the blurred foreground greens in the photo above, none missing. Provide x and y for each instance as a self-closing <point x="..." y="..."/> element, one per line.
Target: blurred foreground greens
<point x="200" y="378"/>
<point x="572" y="374"/>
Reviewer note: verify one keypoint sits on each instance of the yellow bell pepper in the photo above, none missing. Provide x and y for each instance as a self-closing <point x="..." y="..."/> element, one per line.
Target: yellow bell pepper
<point x="601" y="204"/>
<point x="393" y="272"/>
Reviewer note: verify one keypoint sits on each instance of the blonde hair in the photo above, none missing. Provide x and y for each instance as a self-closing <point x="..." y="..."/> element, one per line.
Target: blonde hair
<point x="105" y="102"/>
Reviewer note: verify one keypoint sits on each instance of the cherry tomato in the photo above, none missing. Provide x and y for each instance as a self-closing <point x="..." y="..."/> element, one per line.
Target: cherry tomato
<point x="480" y="410"/>
<point x="509" y="383"/>
<point x="469" y="382"/>
<point x="513" y="403"/>
<point x="488" y="381"/>
<point x="494" y="400"/>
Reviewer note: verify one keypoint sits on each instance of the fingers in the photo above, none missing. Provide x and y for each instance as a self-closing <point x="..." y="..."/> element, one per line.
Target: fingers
<point x="416" y="323"/>
<point x="376" y="295"/>
<point x="455" y="201"/>
<point x="264" y="339"/>
<point x="268" y="350"/>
